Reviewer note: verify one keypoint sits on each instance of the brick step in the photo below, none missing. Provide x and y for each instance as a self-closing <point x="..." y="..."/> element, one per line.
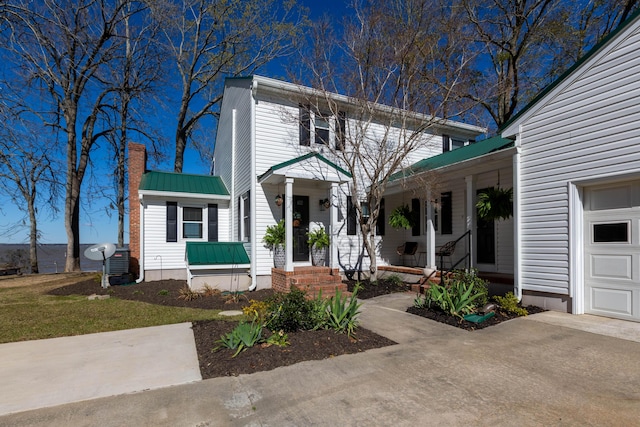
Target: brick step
<point x="315" y="270"/>
<point x="312" y="279"/>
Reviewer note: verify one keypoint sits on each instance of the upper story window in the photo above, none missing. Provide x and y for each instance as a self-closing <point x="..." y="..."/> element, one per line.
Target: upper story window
<point x="451" y="143"/>
<point x="322" y="128"/>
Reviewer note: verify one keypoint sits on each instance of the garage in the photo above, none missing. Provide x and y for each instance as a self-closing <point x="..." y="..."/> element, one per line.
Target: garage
<point x="612" y="250"/>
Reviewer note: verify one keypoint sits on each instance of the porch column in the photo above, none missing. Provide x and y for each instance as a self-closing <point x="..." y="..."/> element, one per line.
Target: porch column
<point x="288" y="221"/>
<point x="430" y="233"/>
<point x="333" y="257"/>
<point x="470" y="208"/>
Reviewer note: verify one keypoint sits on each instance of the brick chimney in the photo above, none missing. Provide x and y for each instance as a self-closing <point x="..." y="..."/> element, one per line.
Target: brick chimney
<point x="137" y="166"/>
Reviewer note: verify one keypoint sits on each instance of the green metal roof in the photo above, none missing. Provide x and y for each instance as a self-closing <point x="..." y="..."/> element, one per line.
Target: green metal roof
<point x="216" y="253"/>
<point x="571" y="69"/>
<point x="182" y="183"/>
<point x="455" y="156"/>
<point x="302" y="158"/>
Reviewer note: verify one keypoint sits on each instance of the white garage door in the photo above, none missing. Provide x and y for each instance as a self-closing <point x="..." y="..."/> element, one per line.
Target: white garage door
<point x="612" y="251"/>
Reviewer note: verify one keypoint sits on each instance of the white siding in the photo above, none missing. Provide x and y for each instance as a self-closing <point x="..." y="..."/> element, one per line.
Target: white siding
<point x="588" y="129"/>
<point x="158" y="253"/>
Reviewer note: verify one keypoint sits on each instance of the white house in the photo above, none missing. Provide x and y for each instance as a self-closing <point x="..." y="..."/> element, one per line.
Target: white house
<point x="271" y="162"/>
<point x="577" y="175"/>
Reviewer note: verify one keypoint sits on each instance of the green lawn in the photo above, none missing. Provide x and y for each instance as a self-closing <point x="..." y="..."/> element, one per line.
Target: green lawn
<point x="27" y="313"/>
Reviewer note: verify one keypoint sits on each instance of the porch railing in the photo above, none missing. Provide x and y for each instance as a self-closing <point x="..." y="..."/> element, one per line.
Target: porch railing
<point x="466" y="257"/>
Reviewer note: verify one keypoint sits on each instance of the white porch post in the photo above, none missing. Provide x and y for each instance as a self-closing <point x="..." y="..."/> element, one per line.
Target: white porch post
<point x="288" y="220"/>
<point x="430" y="234"/>
<point x="333" y="258"/>
<point x="470" y="208"/>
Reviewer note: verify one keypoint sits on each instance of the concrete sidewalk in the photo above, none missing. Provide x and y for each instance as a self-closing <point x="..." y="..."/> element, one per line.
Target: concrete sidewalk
<point x="522" y="372"/>
<point x="42" y="373"/>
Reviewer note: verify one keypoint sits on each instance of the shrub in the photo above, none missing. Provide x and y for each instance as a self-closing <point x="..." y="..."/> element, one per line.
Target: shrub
<point x="510" y="303"/>
<point x="480" y="286"/>
<point x="243" y="336"/>
<point x="163" y="292"/>
<point x="256" y="310"/>
<point x="209" y="291"/>
<point x="395" y="280"/>
<point x="459" y="296"/>
<point x="290" y="312"/>
<point x="318" y="312"/>
<point x="342" y="315"/>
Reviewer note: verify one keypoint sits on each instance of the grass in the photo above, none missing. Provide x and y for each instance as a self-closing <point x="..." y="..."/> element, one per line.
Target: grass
<point x="27" y="313"/>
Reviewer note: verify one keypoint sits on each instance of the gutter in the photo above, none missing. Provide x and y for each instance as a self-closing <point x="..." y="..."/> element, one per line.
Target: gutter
<point x="517" y="250"/>
<point x="252" y="198"/>
<point x="141" y="260"/>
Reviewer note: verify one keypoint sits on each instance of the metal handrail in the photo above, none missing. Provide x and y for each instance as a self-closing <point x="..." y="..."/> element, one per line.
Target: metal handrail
<point x="466" y="256"/>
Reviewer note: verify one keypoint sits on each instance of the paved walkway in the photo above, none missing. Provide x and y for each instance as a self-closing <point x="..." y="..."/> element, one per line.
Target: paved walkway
<point x="529" y="371"/>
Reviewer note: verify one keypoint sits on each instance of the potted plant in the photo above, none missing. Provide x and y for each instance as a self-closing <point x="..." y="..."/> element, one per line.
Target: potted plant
<point x="274" y="239"/>
<point x="495" y="203"/>
<point x="402" y="217"/>
<point x="318" y="240"/>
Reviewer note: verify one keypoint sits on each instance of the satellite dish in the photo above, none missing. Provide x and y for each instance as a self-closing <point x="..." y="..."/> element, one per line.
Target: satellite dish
<point x="101" y="252"/>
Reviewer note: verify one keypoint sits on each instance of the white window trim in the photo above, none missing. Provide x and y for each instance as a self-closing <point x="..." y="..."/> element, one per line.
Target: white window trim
<point x="331" y="121"/>
<point x="181" y="221"/>
<point x="243" y="231"/>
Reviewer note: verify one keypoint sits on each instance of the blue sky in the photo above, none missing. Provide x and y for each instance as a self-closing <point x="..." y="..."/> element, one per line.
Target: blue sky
<point x="95" y="225"/>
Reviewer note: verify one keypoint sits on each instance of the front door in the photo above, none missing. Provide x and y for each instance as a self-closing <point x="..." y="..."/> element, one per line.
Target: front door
<point x="485" y="241"/>
<point x="300" y="227"/>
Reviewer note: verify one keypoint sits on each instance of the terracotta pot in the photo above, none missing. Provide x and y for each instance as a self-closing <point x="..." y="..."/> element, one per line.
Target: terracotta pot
<point x="296" y="223"/>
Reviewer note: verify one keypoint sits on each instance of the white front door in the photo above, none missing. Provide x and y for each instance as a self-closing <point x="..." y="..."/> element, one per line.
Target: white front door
<point x="612" y="251"/>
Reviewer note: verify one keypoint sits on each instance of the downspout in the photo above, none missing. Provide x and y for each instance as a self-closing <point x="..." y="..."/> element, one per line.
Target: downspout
<point x="517" y="250"/>
<point x="232" y="201"/>
<point x="141" y="260"/>
<point x="252" y="198"/>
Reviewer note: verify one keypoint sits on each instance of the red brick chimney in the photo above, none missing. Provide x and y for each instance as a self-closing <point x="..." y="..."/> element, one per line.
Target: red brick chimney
<point x="137" y="166"/>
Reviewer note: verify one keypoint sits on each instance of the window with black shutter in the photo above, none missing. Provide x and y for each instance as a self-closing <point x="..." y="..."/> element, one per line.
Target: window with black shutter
<point x="172" y="221"/>
<point x="415" y="212"/>
<point x="341" y="129"/>
<point x="212" y="222"/>
<point x="351" y="217"/>
<point x="446" y="212"/>
<point x="446" y="145"/>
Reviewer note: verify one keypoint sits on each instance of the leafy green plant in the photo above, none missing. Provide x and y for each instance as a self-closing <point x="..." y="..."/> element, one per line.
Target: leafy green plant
<point x="402" y="217"/>
<point x="163" y="292"/>
<point x="290" y="312"/>
<point x="275" y="235"/>
<point x="318" y="312"/>
<point x="318" y="238"/>
<point x="281" y="339"/>
<point x="495" y="203"/>
<point x="456" y="297"/>
<point x="343" y="313"/>
<point x="138" y="292"/>
<point x="394" y="280"/>
<point x="471" y="278"/>
<point x="243" y="336"/>
<point x="510" y="303"/>
<point x="187" y="294"/>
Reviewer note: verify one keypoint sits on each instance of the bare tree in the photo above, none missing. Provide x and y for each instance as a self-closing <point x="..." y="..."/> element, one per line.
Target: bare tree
<point x="388" y="62"/>
<point x="62" y="53"/>
<point x="27" y="170"/>
<point x="209" y="41"/>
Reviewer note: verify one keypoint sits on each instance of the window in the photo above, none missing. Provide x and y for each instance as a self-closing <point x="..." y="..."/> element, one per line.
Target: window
<point x="322" y="128"/>
<point x="617" y="232"/>
<point x="446" y="222"/>
<point x="191" y="223"/>
<point x="450" y="144"/>
<point x="244" y="217"/>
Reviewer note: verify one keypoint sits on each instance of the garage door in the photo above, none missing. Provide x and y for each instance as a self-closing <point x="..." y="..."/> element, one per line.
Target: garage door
<point x="612" y="251"/>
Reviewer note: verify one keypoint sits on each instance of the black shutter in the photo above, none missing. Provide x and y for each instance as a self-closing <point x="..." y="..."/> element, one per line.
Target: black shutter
<point x="305" y="125"/>
<point x="341" y="129"/>
<point x="172" y="222"/>
<point x="446" y="145"/>
<point x="239" y="224"/>
<point x="380" y="222"/>
<point x="446" y="211"/>
<point x="415" y="213"/>
<point x="351" y="217"/>
<point x="212" y="218"/>
<point x="247" y="215"/>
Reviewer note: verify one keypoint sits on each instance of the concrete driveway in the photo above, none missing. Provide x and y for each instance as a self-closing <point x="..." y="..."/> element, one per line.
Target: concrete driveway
<point x="539" y="370"/>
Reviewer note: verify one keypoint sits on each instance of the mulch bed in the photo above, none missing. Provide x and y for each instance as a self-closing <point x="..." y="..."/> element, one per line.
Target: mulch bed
<point x="442" y="317"/>
<point x="304" y="345"/>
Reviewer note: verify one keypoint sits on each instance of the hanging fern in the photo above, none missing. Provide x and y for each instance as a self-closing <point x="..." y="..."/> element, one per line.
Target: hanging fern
<point x="402" y="217"/>
<point x="495" y="203"/>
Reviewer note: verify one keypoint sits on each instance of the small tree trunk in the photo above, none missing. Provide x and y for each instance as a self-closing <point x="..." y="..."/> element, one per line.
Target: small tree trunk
<point x="33" y="236"/>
